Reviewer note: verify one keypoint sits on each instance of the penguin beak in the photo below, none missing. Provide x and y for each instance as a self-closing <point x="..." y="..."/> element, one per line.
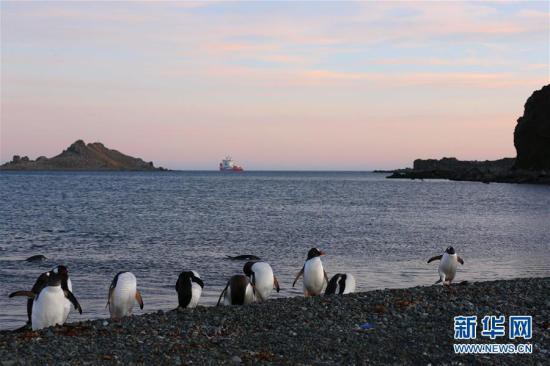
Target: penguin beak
<point x="321" y="252"/>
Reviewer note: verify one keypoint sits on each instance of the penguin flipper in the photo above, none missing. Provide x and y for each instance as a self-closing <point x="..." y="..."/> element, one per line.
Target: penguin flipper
<point x="139" y="299"/>
<point x="436" y="258"/>
<point x="438" y="281"/>
<point x="28" y="294"/>
<point x="276" y="284"/>
<point x="298" y="276"/>
<point x="198" y="281"/>
<point x="223" y="292"/>
<point x="460" y="260"/>
<point x="111" y="289"/>
<point x="69" y="295"/>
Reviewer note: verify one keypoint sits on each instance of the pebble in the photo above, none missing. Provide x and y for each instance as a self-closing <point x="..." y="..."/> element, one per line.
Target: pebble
<point x="212" y="335"/>
<point x="236" y="359"/>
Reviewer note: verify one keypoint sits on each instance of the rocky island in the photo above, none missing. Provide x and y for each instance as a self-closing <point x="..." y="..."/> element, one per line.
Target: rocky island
<point x="82" y="156"/>
<point x="531" y="165"/>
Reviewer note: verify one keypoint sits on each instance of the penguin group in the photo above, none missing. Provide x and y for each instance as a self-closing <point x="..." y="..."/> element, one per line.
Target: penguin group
<point x="256" y="284"/>
<point x="51" y="298"/>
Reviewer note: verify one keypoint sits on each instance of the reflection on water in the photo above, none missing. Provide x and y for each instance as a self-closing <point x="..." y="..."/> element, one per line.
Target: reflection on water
<point x="158" y="224"/>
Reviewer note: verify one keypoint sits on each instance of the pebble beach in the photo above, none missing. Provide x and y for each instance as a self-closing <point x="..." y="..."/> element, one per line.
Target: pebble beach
<point x="397" y="326"/>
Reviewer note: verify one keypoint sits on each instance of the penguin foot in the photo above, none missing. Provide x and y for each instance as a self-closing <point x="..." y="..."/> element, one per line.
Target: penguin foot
<point x="24" y="328"/>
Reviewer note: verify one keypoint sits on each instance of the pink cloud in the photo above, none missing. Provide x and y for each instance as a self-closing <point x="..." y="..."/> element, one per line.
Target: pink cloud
<point x="320" y="77"/>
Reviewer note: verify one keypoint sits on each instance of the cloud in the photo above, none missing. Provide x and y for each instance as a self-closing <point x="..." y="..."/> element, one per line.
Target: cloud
<point x="292" y="67"/>
<point x="426" y="79"/>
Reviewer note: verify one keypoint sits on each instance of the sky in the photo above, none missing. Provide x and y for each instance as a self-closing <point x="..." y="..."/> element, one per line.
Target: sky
<point x="277" y="85"/>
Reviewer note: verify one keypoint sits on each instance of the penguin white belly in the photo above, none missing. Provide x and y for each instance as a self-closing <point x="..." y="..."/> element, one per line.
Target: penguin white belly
<point x="124" y="294"/>
<point x="196" y="291"/>
<point x="249" y="295"/>
<point x="350" y="284"/>
<point x="49" y="308"/>
<point x="263" y="276"/>
<point x="447" y="267"/>
<point x="314" y="276"/>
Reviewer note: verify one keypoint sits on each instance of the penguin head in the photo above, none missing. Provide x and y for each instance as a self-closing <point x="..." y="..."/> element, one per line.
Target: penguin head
<point x="314" y="252"/>
<point x="450" y="250"/>
<point x="62" y="270"/>
<point x="55" y="278"/>
<point x="187" y="276"/>
<point x="61" y="273"/>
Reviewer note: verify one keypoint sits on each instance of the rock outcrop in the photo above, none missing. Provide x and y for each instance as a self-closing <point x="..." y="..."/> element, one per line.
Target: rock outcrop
<point x="501" y="170"/>
<point x="532" y="142"/>
<point x="532" y="133"/>
<point x="82" y="156"/>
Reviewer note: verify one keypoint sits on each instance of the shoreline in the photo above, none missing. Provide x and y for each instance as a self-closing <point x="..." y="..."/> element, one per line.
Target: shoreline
<point x="489" y="171"/>
<point x="522" y="177"/>
<point x="412" y="325"/>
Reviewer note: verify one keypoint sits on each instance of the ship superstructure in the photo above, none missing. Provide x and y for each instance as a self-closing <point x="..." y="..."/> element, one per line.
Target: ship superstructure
<point x="228" y="165"/>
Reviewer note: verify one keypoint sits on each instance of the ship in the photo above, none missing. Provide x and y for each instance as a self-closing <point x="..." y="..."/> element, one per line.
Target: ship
<point x="228" y="165"/>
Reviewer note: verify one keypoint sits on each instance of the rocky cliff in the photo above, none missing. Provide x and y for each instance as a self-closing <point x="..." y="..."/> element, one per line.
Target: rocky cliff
<point x="532" y="133"/>
<point x="532" y="142"/>
<point x="82" y="156"/>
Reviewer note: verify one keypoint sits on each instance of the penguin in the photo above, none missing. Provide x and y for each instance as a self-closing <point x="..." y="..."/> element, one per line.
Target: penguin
<point x="189" y="288"/>
<point x="36" y="258"/>
<point x="244" y="257"/>
<point x="238" y="291"/>
<point x="122" y="293"/>
<point x="262" y="278"/>
<point x="314" y="274"/>
<point x="48" y="306"/>
<point x="448" y="264"/>
<point x="341" y="284"/>
<point x="41" y="282"/>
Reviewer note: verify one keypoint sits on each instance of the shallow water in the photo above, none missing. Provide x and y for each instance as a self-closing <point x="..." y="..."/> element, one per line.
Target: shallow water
<point x="158" y="224"/>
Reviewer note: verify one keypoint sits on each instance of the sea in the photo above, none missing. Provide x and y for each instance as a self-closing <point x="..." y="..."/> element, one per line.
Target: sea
<point x="158" y="224"/>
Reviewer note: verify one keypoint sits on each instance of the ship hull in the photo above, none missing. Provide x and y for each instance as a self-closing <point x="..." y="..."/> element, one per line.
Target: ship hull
<point x="234" y="169"/>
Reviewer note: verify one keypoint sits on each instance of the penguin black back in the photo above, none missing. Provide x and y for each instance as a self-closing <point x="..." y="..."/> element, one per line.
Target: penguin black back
<point x="238" y="285"/>
<point x="36" y="258"/>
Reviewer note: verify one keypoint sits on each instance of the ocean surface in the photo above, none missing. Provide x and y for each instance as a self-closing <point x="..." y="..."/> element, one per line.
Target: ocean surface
<point x="159" y="224"/>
